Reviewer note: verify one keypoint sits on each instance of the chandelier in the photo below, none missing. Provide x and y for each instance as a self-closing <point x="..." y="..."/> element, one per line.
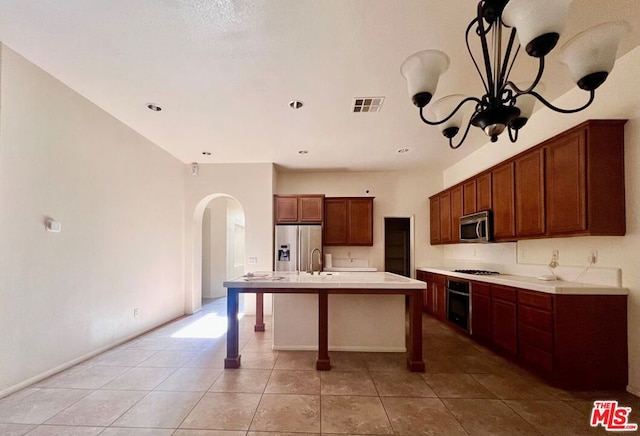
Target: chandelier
<point x="505" y="105"/>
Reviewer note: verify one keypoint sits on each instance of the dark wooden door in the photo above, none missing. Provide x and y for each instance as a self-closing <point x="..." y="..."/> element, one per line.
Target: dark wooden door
<point x="397" y="254"/>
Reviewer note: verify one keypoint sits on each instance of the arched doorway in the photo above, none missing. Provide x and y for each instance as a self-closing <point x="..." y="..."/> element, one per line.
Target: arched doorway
<point x="219" y="246"/>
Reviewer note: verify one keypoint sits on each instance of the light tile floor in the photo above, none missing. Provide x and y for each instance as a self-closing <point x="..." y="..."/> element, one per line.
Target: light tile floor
<point x="172" y="381"/>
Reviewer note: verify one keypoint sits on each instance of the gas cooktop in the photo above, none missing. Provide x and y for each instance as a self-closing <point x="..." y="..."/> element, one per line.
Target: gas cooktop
<point x="477" y="272"/>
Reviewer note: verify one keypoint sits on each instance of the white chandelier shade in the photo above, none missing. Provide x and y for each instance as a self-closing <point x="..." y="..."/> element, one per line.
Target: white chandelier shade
<point x="535" y="18"/>
<point x="423" y="69"/>
<point x="444" y="107"/>
<point x="594" y="50"/>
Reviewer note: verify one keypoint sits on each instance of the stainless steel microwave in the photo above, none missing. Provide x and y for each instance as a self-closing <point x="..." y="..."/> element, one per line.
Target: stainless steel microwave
<point x="476" y="227"/>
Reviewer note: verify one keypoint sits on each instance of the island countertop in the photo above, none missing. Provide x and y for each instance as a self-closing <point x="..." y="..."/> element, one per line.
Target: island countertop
<point x="325" y="280"/>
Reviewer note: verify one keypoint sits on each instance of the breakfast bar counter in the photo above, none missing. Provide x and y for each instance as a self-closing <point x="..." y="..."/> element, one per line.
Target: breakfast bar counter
<point x="323" y="285"/>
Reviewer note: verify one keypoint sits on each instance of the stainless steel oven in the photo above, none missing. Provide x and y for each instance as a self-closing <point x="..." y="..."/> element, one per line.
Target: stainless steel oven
<point x="458" y="303"/>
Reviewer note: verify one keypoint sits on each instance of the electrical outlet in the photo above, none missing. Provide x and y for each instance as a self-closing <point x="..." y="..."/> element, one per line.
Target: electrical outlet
<point x="593" y="258"/>
<point x="253" y="260"/>
<point x="135" y="312"/>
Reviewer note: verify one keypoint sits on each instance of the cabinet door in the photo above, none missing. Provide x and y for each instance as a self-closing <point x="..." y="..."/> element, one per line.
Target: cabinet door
<point x="286" y="209"/>
<point x="360" y="215"/>
<point x="311" y="208"/>
<point x="529" y="195"/>
<point x="483" y="192"/>
<point x="434" y="220"/>
<point x="504" y="327"/>
<point x="335" y="221"/>
<point x="440" y="297"/>
<point x="503" y="202"/>
<point x="469" y="195"/>
<point x="566" y="189"/>
<point x="456" y="213"/>
<point x="445" y="217"/>
<point x="481" y="311"/>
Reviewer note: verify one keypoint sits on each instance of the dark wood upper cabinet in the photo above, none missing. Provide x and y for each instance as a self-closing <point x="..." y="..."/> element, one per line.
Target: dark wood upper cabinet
<point x="529" y="194"/>
<point x="585" y="180"/>
<point x="360" y="221"/>
<point x="469" y="197"/>
<point x="456" y="212"/>
<point x="445" y="217"/>
<point x="434" y="220"/>
<point x="483" y="192"/>
<point x="502" y="195"/>
<point x="570" y="185"/>
<point x="311" y="209"/>
<point x="291" y="209"/>
<point x="348" y="221"/>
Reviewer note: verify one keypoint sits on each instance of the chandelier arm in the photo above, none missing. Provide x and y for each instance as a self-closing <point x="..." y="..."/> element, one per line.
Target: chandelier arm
<point x="466" y="132"/>
<point x="469" y="27"/>
<point x="533" y="85"/>
<point x="564" y="111"/>
<point x="485" y="50"/>
<point x="513" y="134"/>
<point x="504" y="74"/>
<point x="435" y="123"/>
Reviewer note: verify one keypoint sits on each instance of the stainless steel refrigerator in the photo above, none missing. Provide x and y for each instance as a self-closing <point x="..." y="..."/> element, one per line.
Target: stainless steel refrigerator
<point x="298" y="248"/>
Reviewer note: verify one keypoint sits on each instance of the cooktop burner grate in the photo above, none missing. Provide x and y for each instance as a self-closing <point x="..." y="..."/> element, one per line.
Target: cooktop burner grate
<point x="477" y="272"/>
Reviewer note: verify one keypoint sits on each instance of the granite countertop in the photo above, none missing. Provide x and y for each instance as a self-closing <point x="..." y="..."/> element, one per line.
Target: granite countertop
<point x="533" y="283"/>
<point x="325" y="280"/>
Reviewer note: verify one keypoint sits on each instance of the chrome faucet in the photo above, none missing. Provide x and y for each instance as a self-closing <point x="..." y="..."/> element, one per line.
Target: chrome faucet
<point x="311" y="260"/>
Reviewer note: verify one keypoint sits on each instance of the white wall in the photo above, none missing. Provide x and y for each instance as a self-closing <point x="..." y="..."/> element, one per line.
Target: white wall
<point x="397" y="194"/>
<point x="120" y="201"/>
<point x="617" y="98"/>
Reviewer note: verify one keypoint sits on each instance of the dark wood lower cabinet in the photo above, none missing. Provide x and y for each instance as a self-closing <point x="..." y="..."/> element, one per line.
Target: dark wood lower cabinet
<point x="504" y="324"/>
<point x="481" y="314"/>
<point x="434" y="301"/>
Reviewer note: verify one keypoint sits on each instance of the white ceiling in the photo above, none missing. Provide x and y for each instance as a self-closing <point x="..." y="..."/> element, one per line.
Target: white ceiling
<point x="224" y="72"/>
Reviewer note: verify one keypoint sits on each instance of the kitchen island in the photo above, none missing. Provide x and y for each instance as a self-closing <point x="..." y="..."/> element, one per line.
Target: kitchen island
<point x="323" y="285"/>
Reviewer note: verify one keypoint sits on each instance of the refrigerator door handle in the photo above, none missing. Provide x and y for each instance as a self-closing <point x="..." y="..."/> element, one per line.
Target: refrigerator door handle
<point x="298" y="250"/>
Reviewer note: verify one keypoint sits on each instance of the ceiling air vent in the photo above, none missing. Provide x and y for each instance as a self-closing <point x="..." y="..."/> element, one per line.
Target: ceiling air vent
<point x="367" y="104"/>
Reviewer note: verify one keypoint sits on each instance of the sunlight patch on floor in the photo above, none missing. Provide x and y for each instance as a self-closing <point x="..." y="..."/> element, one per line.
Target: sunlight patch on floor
<point x="211" y="326"/>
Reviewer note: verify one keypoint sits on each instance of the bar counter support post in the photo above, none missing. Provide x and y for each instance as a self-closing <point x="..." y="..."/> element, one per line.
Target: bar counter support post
<point x="323" y="363"/>
<point x="233" y="357"/>
<point x="259" y="327"/>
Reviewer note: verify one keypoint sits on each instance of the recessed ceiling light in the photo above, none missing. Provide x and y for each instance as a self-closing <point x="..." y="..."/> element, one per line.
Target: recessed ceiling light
<point x="403" y="150"/>
<point x="295" y="104"/>
<point x="303" y="151"/>
<point x="154" y="107"/>
<point x="206" y="153"/>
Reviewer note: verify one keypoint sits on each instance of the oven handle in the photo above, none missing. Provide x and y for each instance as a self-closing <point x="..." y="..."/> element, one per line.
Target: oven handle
<point x="457" y="293"/>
